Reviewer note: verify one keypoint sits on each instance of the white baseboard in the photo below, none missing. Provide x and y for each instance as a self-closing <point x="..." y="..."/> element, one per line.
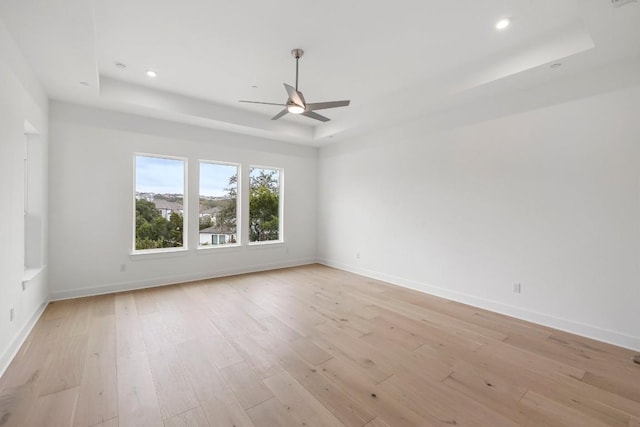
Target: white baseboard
<point x="171" y="280"/>
<point x="589" y="331"/>
<point x="13" y="348"/>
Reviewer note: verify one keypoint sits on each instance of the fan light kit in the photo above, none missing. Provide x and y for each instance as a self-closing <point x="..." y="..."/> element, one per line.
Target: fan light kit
<point x="295" y="109"/>
<point x="296" y="103"/>
<point x="503" y="23"/>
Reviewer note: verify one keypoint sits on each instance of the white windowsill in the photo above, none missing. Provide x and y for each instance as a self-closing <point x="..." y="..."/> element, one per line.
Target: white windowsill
<point x="31" y="273"/>
<point x="265" y="244"/>
<point x="225" y="248"/>
<point x="158" y="254"/>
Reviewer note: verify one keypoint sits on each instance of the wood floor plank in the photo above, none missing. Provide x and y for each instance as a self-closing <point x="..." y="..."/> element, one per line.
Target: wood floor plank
<point x="200" y="368"/>
<point x="336" y="343"/>
<point x="175" y="394"/>
<point x="192" y="418"/>
<point x="531" y="361"/>
<point x="341" y="404"/>
<point x="259" y="357"/>
<point x="137" y="399"/>
<point x="616" y="385"/>
<point x="350" y="376"/>
<point x="145" y="303"/>
<point x="309" y="345"/>
<point x="434" y="400"/>
<point x="377" y="422"/>
<point x="276" y="327"/>
<point x="271" y="413"/>
<point x="157" y="337"/>
<point x="306" y="409"/>
<point x="53" y="410"/>
<point x="28" y="366"/>
<point x="16" y="401"/>
<point x="66" y="366"/>
<point x="129" y="337"/>
<point x="178" y="328"/>
<point x="59" y="309"/>
<point x="245" y="384"/>
<point x="582" y="356"/>
<point x="225" y="410"/>
<point x="113" y="422"/>
<point x="309" y="351"/>
<point x="98" y="400"/>
<point x="103" y="305"/>
<point x="237" y="324"/>
<point x="434" y="336"/>
<point x="224" y="354"/>
<point x="51" y="331"/>
<point x="581" y="397"/>
<point x="393" y="334"/>
<point x="488" y="388"/>
<point x="552" y="413"/>
<point x="80" y="319"/>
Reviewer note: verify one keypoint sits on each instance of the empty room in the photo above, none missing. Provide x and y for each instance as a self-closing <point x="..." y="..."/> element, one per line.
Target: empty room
<point x="336" y="213"/>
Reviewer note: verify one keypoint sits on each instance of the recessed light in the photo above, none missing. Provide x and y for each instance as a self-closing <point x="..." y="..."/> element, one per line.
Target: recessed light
<point x="503" y="23"/>
<point x="556" y="65"/>
<point x="120" y="65"/>
<point x="84" y="83"/>
<point x="151" y="73"/>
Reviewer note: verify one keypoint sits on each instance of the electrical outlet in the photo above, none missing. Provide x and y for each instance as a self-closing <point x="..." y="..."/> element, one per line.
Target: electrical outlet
<point x="11" y="314"/>
<point x="517" y="288"/>
<point x="123" y="267"/>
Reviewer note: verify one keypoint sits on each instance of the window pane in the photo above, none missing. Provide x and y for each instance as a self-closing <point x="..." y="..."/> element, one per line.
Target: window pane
<point x="159" y="203"/>
<point x="218" y="204"/>
<point x="264" y="204"/>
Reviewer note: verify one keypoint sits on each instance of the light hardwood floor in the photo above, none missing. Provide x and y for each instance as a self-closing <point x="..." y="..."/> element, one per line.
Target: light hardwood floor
<point x="307" y="346"/>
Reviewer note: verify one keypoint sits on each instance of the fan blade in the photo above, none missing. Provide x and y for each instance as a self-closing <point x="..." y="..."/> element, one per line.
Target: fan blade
<point x="280" y="114"/>
<point x="294" y="95"/>
<point x="325" y="105"/>
<point x="304" y="101"/>
<point x="316" y="116"/>
<point x="265" y="103"/>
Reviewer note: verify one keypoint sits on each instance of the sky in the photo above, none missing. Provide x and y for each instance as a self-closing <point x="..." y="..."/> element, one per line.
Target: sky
<point x="214" y="178"/>
<point x="157" y="175"/>
<point x="160" y="175"/>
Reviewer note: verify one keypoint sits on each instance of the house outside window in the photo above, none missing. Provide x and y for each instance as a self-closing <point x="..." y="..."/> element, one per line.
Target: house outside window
<point x="218" y="204"/>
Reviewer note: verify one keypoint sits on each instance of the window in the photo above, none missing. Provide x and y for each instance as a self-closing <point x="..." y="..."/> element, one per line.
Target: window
<point x="218" y="204"/>
<point x="34" y="187"/>
<point x="265" y="204"/>
<point x="25" y="222"/>
<point x="159" y="203"/>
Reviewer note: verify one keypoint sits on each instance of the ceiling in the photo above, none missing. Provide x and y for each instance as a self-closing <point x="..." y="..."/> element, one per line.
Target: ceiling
<point x="395" y="60"/>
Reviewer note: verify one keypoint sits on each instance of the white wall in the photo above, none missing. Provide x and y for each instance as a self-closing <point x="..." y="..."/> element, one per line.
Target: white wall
<point x="91" y="201"/>
<point x="548" y="198"/>
<point x="21" y="98"/>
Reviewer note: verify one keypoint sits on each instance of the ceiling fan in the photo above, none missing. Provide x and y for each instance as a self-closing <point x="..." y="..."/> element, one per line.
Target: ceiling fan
<point x="296" y="103"/>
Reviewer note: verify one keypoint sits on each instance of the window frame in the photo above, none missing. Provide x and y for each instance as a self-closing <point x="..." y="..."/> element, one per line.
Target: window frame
<point x="185" y="206"/>
<point x="239" y="224"/>
<point x="281" y="236"/>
